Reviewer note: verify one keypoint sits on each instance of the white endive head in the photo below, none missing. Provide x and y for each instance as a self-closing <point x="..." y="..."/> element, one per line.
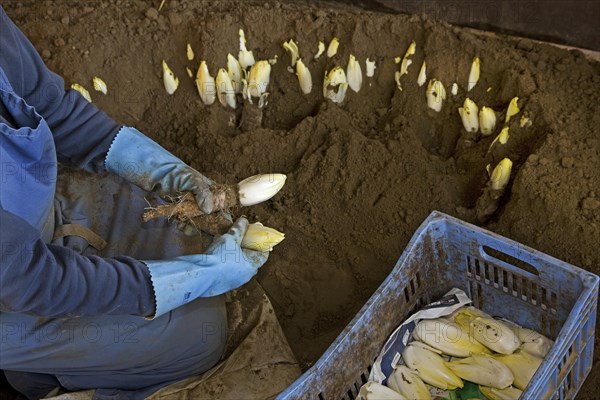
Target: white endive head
<point x="320" y="51"/>
<point x="454" y="90"/>
<point x="234" y="69"/>
<point x="422" y="78"/>
<point x="206" y="84"/>
<point x="333" y="47"/>
<point x="448" y="337"/>
<point x="354" y="74"/>
<point x="261" y="238"/>
<point x="406" y="382"/>
<point x="483" y="370"/>
<point x="498" y="180"/>
<point x="84" y="92"/>
<point x="522" y="365"/>
<point x="436" y="94"/>
<point x="225" y="90"/>
<point x="474" y="73"/>
<point x="335" y="85"/>
<point x="533" y="342"/>
<point x="513" y="109"/>
<point x="510" y="393"/>
<point x="259" y="188"/>
<point x="169" y="79"/>
<point x="189" y="52"/>
<point x="100" y="85"/>
<point x="245" y="57"/>
<point x="430" y="367"/>
<point x="304" y="77"/>
<point x="487" y="121"/>
<point x="469" y="113"/>
<point x="258" y="78"/>
<point x="370" y="68"/>
<point x="376" y="391"/>
<point x="292" y="48"/>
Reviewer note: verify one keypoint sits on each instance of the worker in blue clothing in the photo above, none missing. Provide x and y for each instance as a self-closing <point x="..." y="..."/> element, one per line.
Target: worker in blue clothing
<point x="91" y="297"/>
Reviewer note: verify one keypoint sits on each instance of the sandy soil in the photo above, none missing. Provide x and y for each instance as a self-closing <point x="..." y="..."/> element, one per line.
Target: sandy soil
<point x="362" y="175"/>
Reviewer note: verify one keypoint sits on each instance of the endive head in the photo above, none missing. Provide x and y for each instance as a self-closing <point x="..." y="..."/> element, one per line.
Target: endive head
<point x="513" y="109"/>
<point x="205" y="84"/>
<point x="258" y="78"/>
<point x="261" y="238"/>
<point x="487" y="121"/>
<point x="354" y="74"/>
<point x="169" y="79"/>
<point x="510" y="393"/>
<point x="259" y="188"/>
<point x="225" y="90"/>
<point x="304" y="77"/>
<point x="234" y="69"/>
<point x="501" y="174"/>
<point x="335" y="85"/>
<point x="469" y="115"/>
<point x="376" y="391"/>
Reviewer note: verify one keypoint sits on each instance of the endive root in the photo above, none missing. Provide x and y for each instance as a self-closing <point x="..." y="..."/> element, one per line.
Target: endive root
<point x="185" y="208"/>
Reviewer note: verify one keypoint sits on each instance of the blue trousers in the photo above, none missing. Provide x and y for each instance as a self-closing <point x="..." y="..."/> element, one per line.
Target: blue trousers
<point x="122" y="356"/>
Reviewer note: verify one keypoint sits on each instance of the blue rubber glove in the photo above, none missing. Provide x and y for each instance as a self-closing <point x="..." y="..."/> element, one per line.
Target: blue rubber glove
<point x="224" y="267"/>
<point x="139" y="160"/>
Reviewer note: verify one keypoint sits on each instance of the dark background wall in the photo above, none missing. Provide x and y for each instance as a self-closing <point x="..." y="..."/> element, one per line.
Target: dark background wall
<point x="575" y="23"/>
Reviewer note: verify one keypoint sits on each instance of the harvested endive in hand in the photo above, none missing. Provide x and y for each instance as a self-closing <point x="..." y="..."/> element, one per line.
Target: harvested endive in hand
<point x="304" y="77"/>
<point x="225" y="90"/>
<point x="84" y="92"/>
<point x="474" y="73"/>
<point x="430" y="367"/>
<point x="335" y="85"/>
<point x="376" y="391"/>
<point x="487" y="121"/>
<point x="436" y="94"/>
<point x="491" y="333"/>
<point x="522" y="365"/>
<point x="484" y="370"/>
<point x="259" y="188"/>
<point x="206" y="84"/>
<point x="406" y="382"/>
<point x="169" y="79"/>
<point x="261" y="238"/>
<point x="100" y="85"/>
<point x="510" y="393"/>
<point x="354" y="74"/>
<point x="498" y="181"/>
<point x="469" y="115"/>
<point x="447" y="337"/>
<point x="513" y="109"/>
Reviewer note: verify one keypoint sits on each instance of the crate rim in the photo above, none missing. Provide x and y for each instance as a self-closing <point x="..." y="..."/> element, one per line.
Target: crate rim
<point x="589" y="281"/>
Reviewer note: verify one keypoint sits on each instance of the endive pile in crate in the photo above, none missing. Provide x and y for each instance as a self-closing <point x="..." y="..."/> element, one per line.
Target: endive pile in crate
<point x="466" y="346"/>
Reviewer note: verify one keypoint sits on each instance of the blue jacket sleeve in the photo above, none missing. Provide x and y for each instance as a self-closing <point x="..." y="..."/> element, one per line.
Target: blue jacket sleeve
<point x="54" y="281"/>
<point x="82" y="133"/>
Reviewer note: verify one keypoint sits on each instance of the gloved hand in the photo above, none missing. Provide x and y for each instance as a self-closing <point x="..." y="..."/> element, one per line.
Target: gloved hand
<point x="225" y="266"/>
<point x="139" y="160"/>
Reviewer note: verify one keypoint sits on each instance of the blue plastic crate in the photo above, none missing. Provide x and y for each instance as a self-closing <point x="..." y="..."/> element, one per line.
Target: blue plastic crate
<point x="502" y="277"/>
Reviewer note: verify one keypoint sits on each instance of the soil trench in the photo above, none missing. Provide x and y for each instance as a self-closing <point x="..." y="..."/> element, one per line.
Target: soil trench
<point x="363" y="174"/>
